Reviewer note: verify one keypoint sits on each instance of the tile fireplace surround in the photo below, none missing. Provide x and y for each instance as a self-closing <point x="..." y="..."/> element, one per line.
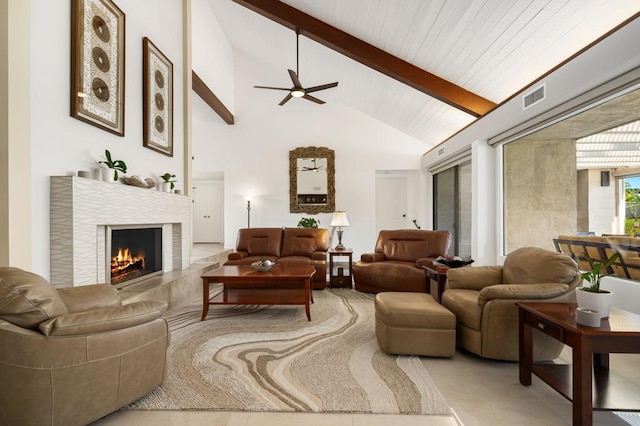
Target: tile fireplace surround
<point x="81" y="209"/>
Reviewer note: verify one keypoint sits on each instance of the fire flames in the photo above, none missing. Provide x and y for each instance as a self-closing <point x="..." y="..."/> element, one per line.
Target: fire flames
<point x="125" y="262"/>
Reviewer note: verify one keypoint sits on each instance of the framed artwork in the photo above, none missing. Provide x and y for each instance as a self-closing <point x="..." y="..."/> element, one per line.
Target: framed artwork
<point x="97" y="64"/>
<point x="158" y="99"/>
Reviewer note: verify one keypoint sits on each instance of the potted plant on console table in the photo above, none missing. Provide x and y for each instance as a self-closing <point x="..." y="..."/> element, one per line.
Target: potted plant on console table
<point x="591" y="296"/>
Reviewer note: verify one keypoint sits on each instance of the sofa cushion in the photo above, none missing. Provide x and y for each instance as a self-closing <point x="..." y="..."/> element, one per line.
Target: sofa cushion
<point x="260" y="241"/>
<point x="304" y="241"/>
<point x="258" y="246"/>
<point x="105" y="319"/>
<point x="301" y="246"/>
<point x="27" y="299"/>
<point x="464" y="305"/>
<point x="529" y="265"/>
<point x="409" y="245"/>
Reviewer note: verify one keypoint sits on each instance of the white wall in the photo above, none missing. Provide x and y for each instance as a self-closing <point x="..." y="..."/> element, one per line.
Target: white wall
<point x="212" y="56"/>
<point x="253" y="154"/>
<point x="62" y="145"/>
<point x="617" y="54"/>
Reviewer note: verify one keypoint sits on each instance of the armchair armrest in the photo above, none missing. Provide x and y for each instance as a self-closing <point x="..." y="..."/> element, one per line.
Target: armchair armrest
<point x="105" y="319"/>
<point x="89" y="297"/>
<point x="425" y="261"/>
<point x="236" y="255"/>
<point x="522" y="291"/>
<point x="475" y="277"/>
<point x="372" y="257"/>
<point x="319" y="255"/>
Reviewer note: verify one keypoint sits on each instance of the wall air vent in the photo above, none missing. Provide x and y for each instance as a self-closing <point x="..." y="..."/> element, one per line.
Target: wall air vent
<point x="440" y="151"/>
<point x="534" y="96"/>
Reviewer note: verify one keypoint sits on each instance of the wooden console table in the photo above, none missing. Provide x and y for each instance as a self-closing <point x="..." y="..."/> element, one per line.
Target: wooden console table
<point x="591" y="348"/>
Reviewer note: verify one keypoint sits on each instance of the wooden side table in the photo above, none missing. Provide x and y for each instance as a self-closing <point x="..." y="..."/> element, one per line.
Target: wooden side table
<point x="337" y="277"/>
<point x="586" y="382"/>
<point x="436" y="279"/>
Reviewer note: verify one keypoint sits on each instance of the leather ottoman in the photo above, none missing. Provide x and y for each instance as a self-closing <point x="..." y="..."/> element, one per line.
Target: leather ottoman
<point x="414" y="324"/>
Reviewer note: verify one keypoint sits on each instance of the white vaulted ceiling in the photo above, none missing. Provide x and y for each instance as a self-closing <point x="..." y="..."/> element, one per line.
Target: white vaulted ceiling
<point x="492" y="48"/>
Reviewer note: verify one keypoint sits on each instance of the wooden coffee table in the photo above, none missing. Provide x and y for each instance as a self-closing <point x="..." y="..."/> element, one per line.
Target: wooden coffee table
<point x="243" y="285"/>
<point x="620" y="333"/>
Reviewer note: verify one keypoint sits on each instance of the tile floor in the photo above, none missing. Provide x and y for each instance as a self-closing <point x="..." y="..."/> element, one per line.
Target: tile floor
<point x="481" y="392"/>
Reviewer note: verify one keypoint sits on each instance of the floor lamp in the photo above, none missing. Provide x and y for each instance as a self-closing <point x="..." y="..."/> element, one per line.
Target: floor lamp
<point x="340" y="220"/>
<point x="248" y="212"/>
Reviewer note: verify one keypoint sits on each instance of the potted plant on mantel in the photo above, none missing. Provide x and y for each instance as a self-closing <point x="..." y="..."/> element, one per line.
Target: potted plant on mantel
<point x="591" y="296"/>
<point x="168" y="184"/>
<point x="115" y="165"/>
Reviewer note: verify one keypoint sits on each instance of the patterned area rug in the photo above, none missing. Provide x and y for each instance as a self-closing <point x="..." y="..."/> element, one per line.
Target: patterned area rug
<point x="259" y="358"/>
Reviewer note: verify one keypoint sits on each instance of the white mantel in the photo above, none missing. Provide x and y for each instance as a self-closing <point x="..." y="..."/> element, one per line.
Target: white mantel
<point x="82" y="208"/>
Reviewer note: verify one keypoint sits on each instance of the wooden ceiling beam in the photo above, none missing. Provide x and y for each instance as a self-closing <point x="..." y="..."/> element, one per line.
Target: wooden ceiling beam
<point x="371" y="56"/>
<point x="201" y="89"/>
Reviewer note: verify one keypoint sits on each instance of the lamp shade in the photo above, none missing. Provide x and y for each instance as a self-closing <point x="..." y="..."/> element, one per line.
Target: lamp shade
<point x="339" y="219"/>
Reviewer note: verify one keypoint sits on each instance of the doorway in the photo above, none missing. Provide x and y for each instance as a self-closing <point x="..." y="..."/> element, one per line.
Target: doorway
<point x="208" y="212"/>
<point x="394" y="208"/>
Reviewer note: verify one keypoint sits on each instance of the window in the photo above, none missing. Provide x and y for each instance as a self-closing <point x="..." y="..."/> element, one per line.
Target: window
<point x="452" y="206"/>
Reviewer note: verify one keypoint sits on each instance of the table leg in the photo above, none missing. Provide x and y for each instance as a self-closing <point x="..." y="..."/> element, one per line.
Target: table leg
<point x="205" y="298"/>
<point x="307" y="296"/>
<point x="601" y="361"/>
<point x="525" y="349"/>
<point x="582" y="384"/>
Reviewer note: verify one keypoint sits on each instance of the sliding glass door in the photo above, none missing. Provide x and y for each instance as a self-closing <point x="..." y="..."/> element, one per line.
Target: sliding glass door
<point x="452" y="206"/>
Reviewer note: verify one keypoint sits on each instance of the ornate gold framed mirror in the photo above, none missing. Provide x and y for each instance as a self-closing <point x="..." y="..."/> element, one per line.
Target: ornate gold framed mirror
<point x="311" y="180"/>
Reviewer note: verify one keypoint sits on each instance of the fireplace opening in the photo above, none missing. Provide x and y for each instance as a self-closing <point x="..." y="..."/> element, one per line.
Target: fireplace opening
<point x="134" y="254"/>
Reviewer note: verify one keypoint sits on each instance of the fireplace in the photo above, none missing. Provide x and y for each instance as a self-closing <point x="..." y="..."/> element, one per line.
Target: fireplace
<point x="133" y="253"/>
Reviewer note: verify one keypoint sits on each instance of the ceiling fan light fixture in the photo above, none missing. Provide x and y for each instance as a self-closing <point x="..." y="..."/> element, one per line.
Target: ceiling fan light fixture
<point x="297" y="93"/>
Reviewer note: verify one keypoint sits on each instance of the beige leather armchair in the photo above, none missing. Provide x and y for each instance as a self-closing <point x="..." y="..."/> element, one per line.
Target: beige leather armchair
<point x="483" y="300"/>
<point x="71" y="356"/>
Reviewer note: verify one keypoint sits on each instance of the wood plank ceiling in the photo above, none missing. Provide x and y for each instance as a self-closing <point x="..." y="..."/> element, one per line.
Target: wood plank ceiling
<point x="489" y="49"/>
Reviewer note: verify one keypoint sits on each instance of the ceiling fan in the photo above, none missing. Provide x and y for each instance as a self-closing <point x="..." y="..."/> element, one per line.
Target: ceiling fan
<point x="315" y="167"/>
<point x="297" y="91"/>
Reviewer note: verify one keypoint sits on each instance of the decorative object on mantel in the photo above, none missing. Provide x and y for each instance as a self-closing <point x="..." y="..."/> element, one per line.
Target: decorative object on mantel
<point x="136" y="180"/>
<point x="452" y="261"/>
<point x="308" y="222"/>
<point x="591" y="296"/>
<point x="84" y="174"/>
<point x="340" y="220"/>
<point x="157" y="95"/>
<point x="168" y="183"/>
<point x="115" y="165"/>
<point x="97" y="64"/>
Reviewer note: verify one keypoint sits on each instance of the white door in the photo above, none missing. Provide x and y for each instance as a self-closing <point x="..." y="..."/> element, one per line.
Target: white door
<point x="391" y="203"/>
<point x="208" y="212"/>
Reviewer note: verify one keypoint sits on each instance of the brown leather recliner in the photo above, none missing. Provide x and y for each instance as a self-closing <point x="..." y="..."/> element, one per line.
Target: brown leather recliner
<point x="483" y="300"/>
<point x="73" y="355"/>
<point x="398" y="260"/>
<point x="284" y="245"/>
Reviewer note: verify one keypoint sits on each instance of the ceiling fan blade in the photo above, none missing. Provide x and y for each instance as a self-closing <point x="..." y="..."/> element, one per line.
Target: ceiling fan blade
<point x="312" y="99"/>
<point x="294" y="78"/>
<point x="272" y="88"/>
<point x="324" y="86"/>
<point x="285" y="100"/>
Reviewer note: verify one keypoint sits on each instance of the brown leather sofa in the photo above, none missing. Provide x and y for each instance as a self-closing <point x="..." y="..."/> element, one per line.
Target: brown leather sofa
<point x="483" y="300"/>
<point x="73" y="355"/>
<point x="398" y="260"/>
<point x="284" y="245"/>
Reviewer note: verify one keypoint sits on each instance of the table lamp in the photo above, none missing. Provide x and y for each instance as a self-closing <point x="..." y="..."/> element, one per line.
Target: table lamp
<point x="339" y="219"/>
